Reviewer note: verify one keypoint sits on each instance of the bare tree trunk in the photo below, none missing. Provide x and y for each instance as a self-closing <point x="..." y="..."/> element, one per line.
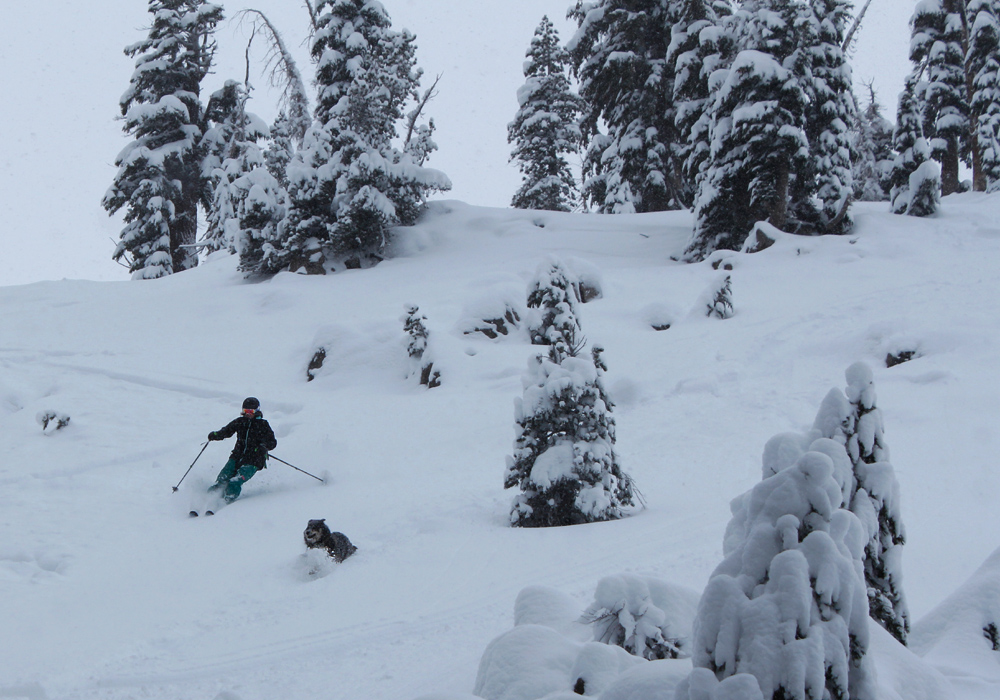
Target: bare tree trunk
<point x="855" y="26"/>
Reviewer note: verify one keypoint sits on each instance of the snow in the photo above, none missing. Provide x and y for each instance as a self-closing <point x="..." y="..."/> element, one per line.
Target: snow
<point x="111" y="592"/>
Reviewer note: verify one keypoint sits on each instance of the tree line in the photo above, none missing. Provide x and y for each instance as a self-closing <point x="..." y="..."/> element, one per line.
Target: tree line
<point x="738" y="111"/>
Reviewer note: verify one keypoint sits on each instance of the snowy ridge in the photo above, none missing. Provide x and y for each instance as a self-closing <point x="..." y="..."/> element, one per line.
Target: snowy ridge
<point x="111" y="592"/>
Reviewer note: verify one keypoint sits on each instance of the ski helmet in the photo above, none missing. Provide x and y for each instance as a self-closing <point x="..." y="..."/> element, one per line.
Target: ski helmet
<point x="251" y="403"/>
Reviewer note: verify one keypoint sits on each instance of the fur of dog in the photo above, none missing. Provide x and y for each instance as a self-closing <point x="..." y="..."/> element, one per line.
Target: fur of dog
<point x="317" y="535"/>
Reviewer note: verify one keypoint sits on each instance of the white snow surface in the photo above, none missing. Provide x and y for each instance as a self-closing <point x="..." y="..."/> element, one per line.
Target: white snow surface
<point x="111" y="592"/>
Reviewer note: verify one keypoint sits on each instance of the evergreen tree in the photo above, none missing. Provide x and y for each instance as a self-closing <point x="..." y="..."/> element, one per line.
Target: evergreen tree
<point x="788" y="604"/>
<point x="420" y="363"/>
<point x="872" y="136"/>
<point x="564" y="460"/>
<point x="772" y="143"/>
<point x="912" y="158"/>
<point x="225" y="144"/>
<point x="281" y="150"/>
<point x="983" y="65"/>
<point x="619" y="54"/>
<point x="758" y="143"/>
<point x="871" y="492"/>
<point x="545" y="128"/>
<point x="694" y="54"/>
<point x="553" y="298"/>
<point x="937" y="50"/>
<point x="826" y="79"/>
<point x="160" y="180"/>
<point x="878" y="490"/>
<point x="348" y="184"/>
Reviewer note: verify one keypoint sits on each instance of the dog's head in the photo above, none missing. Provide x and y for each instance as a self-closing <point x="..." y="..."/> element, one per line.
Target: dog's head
<point x="315" y="532"/>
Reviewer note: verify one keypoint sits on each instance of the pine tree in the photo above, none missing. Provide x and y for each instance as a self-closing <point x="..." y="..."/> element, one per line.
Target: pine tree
<point x="872" y="136"/>
<point x="349" y="184"/>
<point x="553" y="298"/>
<point x="913" y="153"/>
<point x="826" y="79"/>
<point x="788" y="604"/>
<point x="878" y="491"/>
<point x="545" y="130"/>
<point x="160" y="181"/>
<point x="983" y="65"/>
<point x="871" y="492"/>
<point x="564" y="460"/>
<point x="281" y="150"/>
<point x="758" y="143"/>
<point x="937" y="51"/>
<point x="225" y="145"/>
<point x="416" y="347"/>
<point x="619" y="54"/>
<point x="693" y="55"/>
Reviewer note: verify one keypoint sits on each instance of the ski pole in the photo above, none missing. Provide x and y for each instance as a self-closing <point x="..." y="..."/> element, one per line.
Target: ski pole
<point x="296" y="468"/>
<point x="189" y="468"/>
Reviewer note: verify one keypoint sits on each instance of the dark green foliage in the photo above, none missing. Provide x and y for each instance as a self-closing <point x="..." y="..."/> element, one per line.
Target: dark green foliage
<point x="545" y="131"/>
<point x="160" y="181"/>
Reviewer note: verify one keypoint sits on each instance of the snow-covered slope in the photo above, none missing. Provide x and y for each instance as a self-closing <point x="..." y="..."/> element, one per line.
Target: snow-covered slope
<point x="110" y="591"/>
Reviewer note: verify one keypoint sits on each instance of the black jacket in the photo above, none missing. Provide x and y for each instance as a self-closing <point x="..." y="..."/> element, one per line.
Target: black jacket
<point x="254" y="438"/>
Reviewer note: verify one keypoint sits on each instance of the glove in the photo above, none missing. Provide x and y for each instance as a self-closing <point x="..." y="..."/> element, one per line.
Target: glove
<point x="213" y="435"/>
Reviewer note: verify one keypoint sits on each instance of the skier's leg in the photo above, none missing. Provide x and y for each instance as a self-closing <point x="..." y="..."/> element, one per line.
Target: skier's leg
<point x="227" y="473"/>
<point x="235" y="485"/>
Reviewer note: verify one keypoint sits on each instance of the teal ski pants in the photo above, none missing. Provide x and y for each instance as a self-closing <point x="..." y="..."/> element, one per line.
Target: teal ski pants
<point x="232" y="479"/>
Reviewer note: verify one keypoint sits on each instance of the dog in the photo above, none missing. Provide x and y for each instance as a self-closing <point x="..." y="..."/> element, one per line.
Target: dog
<point x="318" y="536"/>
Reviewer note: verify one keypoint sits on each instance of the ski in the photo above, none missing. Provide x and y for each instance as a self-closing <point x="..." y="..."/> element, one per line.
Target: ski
<point x="195" y="514"/>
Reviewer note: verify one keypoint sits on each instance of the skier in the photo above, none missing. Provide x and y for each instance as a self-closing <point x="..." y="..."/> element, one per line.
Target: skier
<point x="254" y="438"/>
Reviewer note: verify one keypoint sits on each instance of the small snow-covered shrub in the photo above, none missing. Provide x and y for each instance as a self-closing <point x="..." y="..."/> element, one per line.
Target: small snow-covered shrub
<point x="720" y="298"/>
<point x="420" y="363"/>
<point x="644" y="616"/>
<point x="703" y="685"/>
<point x="530" y="662"/>
<point x="494" y="316"/>
<point x="51" y="421"/>
<point x="898" y="358"/>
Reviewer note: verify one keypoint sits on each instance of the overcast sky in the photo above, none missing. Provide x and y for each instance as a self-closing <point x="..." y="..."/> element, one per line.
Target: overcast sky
<point x="64" y="71"/>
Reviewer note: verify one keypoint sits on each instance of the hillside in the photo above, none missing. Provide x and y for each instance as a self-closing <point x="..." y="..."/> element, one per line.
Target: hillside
<point x="112" y="592"/>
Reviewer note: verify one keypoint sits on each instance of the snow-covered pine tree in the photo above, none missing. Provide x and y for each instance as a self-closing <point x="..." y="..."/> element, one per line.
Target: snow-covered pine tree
<point x="878" y="492"/>
<point x="416" y="347"/>
<point x="912" y="159"/>
<point x="564" y="460"/>
<point x="348" y="184"/>
<point x="232" y="133"/>
<point x="160" y="182"/>
<point x="872" y="137"/>
<point x="545" y="130"/>
<point x="720" y="301"/>
<point x="619" y="55"/>
<point x="983" y="65"/>
<point x="552" y="308"/>
<point x="937" y="51"/>
<point x="852" y="420"/>
<point x="281" y="150"/>
<point x="249" y="204"/>
<point x="826" y="79"/>
<point x="788" y="603"/>
<point x="758" y="144"/>
<point x="700" y="41"/>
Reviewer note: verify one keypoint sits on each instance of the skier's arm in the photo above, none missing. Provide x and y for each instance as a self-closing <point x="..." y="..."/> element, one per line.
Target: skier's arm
<point x="226" y="432"/>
